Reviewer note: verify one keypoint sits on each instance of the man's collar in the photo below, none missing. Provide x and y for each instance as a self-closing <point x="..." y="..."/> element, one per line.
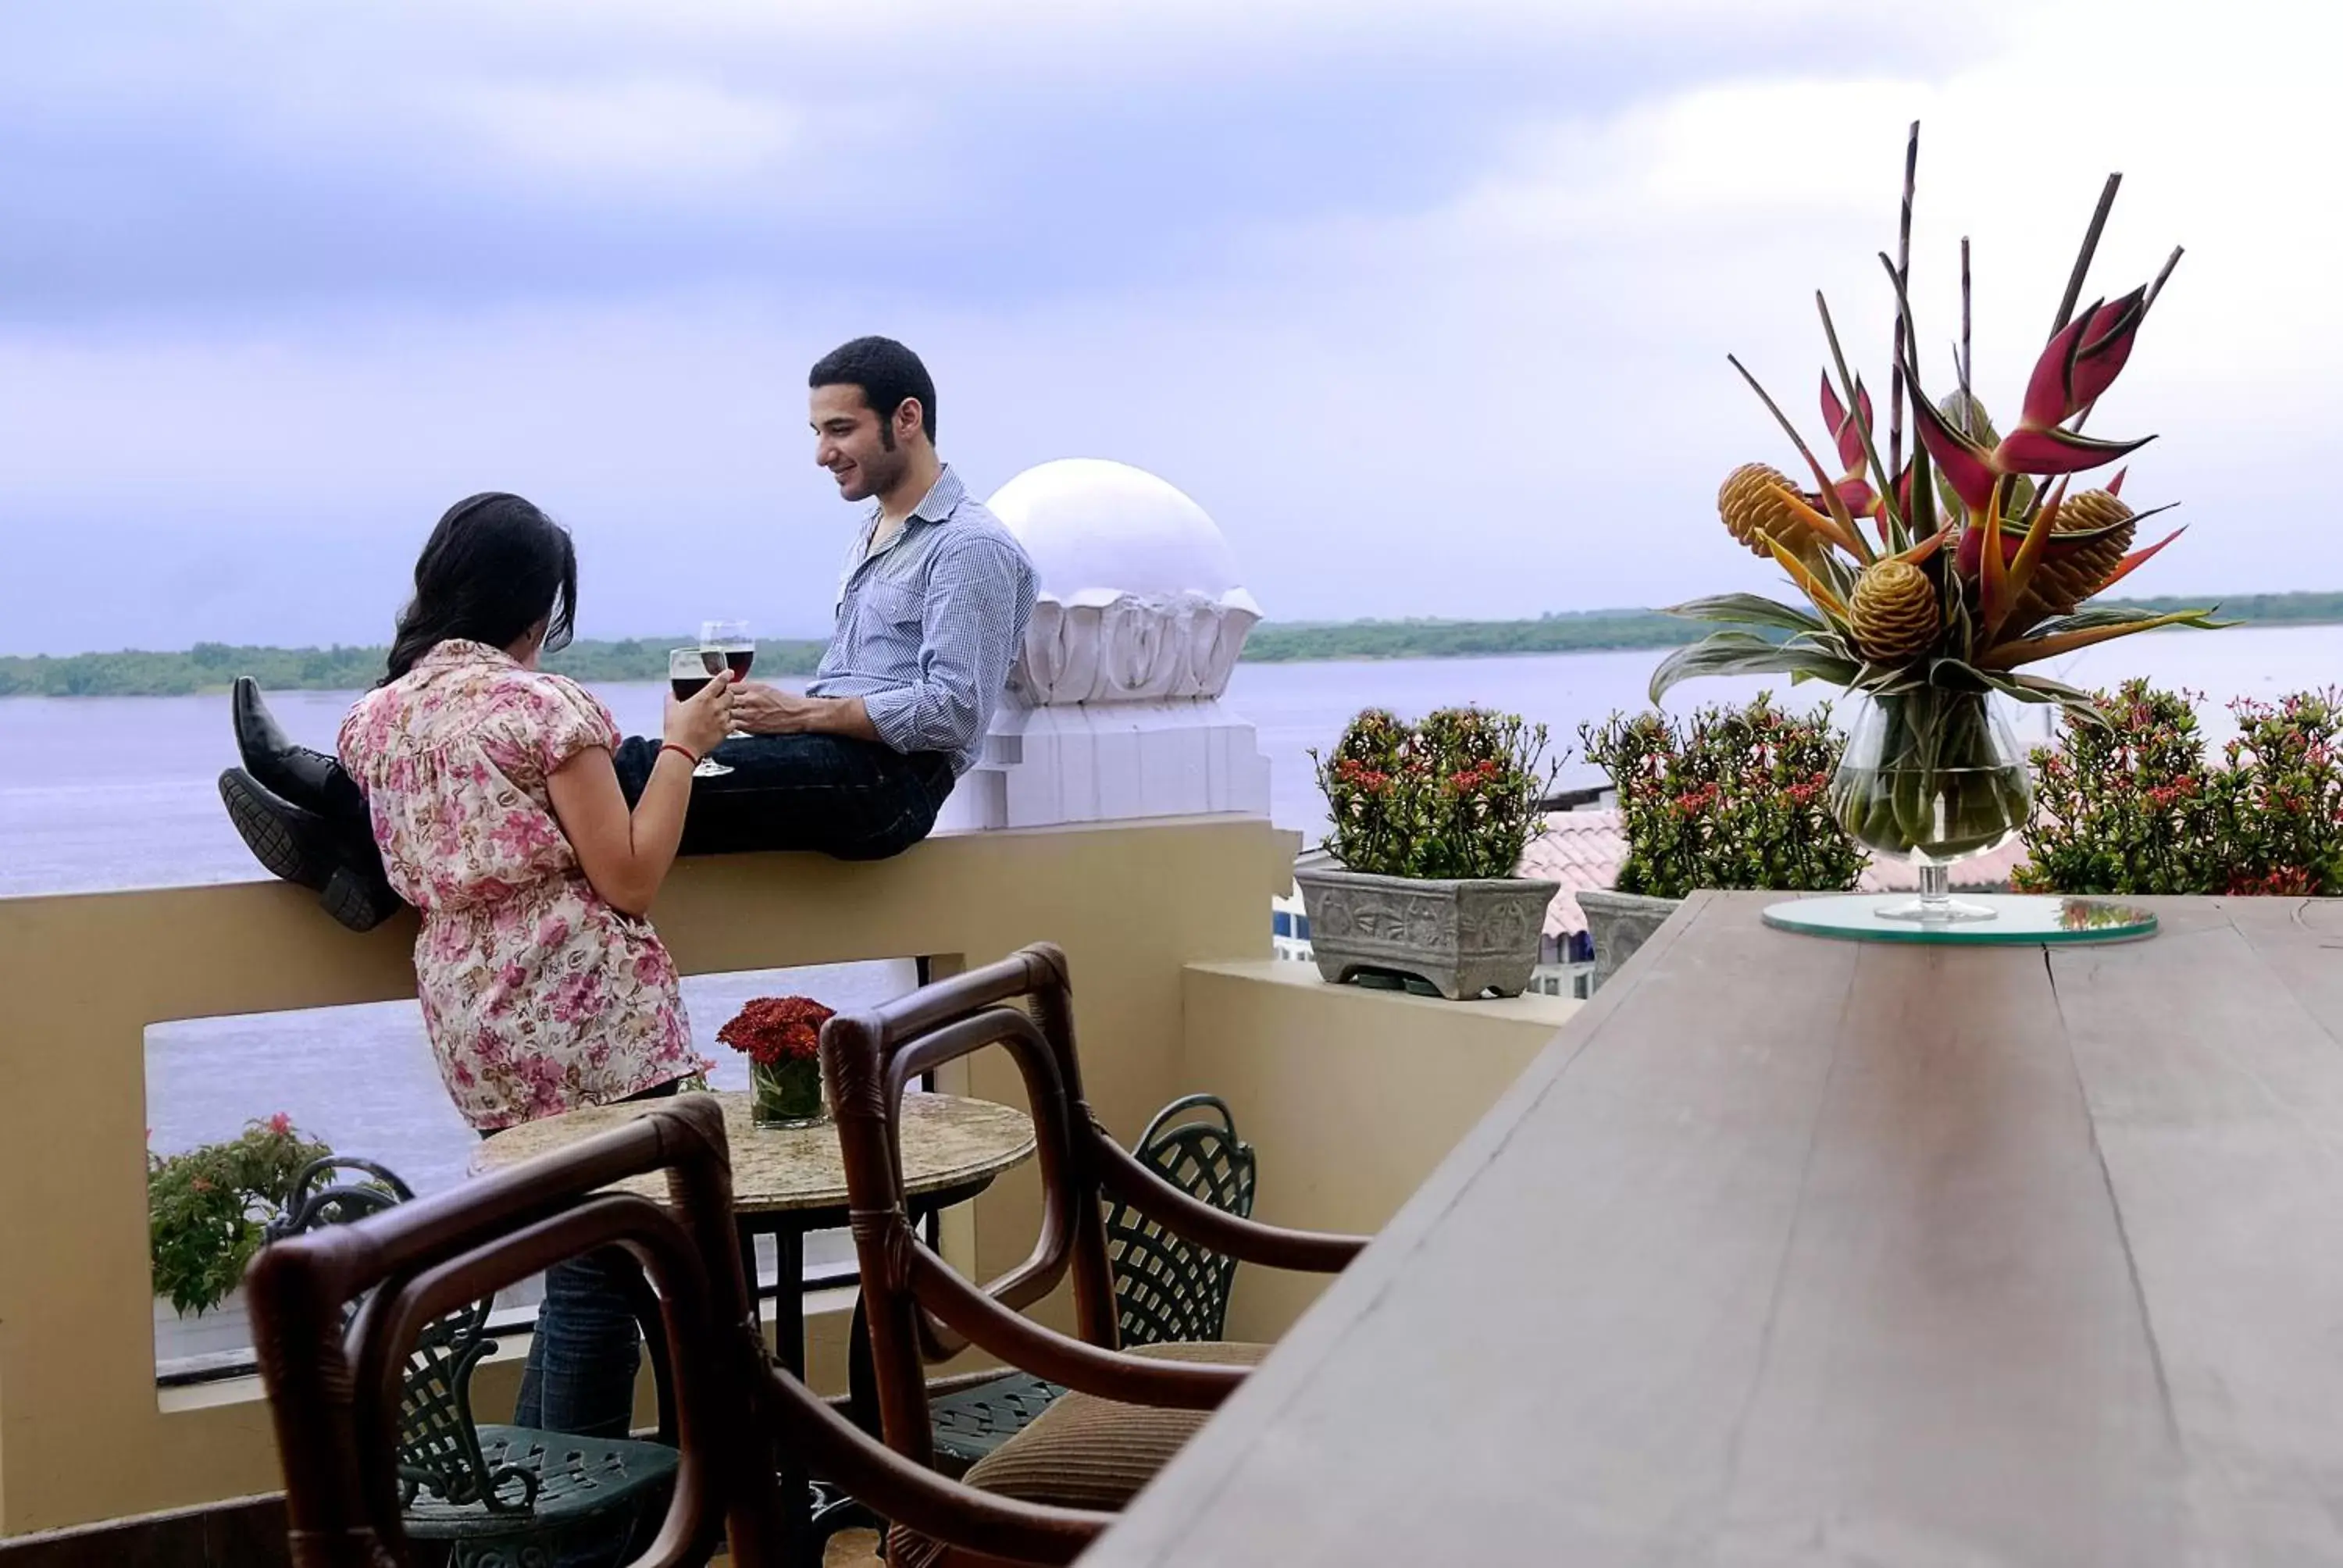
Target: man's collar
<point x="937" y="504"/>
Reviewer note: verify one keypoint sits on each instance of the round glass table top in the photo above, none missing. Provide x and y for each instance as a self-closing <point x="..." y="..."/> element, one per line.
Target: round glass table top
<point x="2018" y="919"/>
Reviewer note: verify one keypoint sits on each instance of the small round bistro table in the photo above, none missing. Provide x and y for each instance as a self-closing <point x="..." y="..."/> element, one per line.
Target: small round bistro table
<point x="788" y="1181"/>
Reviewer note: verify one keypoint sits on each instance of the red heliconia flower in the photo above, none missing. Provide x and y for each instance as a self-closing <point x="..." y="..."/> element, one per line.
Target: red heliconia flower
<point x="1847" y="433"/>
<point x="2077" y="365"/>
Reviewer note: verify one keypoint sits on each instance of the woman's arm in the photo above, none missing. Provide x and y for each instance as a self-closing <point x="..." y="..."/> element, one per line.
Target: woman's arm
<point x="625" y="855"/>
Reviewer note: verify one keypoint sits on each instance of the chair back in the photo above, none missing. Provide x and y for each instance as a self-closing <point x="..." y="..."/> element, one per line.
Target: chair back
<point x="1166" y="1286"/>
<point x="339" y="1394"/>
<point x="1023" y="1004"/>
<point x="438" y="1440"/>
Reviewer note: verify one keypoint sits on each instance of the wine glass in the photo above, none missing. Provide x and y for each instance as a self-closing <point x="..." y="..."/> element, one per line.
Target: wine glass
<point x="728" y="640"/>
<point x="689" y="671"/>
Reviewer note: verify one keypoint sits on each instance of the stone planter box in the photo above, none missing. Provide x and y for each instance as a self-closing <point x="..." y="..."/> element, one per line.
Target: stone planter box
<point x="1462" y="937"/>
<point x="1620" y="923"/>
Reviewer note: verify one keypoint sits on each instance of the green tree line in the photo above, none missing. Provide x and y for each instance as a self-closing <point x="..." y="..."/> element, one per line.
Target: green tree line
<point x="211" y="666"/>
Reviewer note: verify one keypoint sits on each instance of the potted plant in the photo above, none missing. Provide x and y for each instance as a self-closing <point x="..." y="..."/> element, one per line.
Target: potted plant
<point x="1931" y="584"/>
<point x="781" y="1037"/>
<point x="1737" y="797"/>
<point x="209" y="1208"/>
<point x="2133" y="806"/>
<point x="1430" y="821"/>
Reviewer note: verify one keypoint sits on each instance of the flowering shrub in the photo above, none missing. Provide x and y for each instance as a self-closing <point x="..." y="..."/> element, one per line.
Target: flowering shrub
<point x="775" y="1029"/>
<point x="1738" y="799"/>
<point x="208" y="1209"/>
<point x="1459" y="795"/>
<point x="2135" y="807"/>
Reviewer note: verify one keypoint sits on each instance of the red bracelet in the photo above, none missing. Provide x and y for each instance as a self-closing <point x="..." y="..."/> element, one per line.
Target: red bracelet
<point x="681" y="751"/>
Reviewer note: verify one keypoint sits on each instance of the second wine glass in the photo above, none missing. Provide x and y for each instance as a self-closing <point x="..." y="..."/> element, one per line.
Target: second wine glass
<point x="729" y="641"/>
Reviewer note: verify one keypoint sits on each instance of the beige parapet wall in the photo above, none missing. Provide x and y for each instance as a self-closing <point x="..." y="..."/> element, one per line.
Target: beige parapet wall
<point x="1352" y="1097"/>
<point x="83" y="1434"/>
<point x="1349" y="1097"/>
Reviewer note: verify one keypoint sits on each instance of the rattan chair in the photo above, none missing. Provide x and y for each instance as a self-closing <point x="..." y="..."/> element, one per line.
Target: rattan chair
<point x="1095" y="1447"/>
<point x="335" y="1395"/>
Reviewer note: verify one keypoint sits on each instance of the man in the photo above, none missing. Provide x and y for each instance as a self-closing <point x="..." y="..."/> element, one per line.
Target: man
<point x="929" y="614"/>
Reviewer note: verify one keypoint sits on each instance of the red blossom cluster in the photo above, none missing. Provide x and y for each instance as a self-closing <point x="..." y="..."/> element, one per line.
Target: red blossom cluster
<point x="774" y="1030"/>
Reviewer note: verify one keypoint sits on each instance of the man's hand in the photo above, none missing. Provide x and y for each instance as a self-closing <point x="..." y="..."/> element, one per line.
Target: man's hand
<point x="768" y="710"/>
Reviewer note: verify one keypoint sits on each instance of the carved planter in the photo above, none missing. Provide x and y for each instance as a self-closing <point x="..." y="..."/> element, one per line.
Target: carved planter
<point x="1462" y="937"/>
<point x="1620" y="923"/>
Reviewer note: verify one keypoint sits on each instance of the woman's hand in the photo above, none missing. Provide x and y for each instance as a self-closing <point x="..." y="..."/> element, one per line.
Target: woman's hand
<point x="699" y="724"/>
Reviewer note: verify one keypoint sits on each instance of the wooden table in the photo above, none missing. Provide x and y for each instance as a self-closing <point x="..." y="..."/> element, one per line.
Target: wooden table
<point x="1791" y="1251"/>
<point x="789" y="1181"/>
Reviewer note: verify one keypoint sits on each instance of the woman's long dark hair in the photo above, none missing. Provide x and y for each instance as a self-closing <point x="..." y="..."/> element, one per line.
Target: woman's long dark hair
<point x="492" y="570"/>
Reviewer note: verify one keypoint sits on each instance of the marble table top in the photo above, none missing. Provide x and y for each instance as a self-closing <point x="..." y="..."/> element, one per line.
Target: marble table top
<point x="948" y="1144"/>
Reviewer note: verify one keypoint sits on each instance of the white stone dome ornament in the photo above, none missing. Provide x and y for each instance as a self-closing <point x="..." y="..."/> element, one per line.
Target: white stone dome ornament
<point x="1139" y="598"/>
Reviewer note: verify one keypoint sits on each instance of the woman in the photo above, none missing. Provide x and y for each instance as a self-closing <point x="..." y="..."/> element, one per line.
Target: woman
<point x="489" y="788"/>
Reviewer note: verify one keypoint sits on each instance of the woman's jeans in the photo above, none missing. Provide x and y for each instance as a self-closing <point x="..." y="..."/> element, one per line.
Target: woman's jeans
<point x="583" y="1358"/>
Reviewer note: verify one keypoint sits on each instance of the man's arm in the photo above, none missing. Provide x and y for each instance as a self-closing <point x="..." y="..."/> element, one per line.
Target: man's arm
<point x="978" y="592"/>
<point x="768" y="710"/>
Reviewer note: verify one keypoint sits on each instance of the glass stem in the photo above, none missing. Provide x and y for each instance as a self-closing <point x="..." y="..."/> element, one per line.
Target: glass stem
<point x="1936" y="885"/>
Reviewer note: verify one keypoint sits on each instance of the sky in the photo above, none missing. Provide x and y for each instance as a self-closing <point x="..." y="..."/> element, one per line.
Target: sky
<point x="1426" y="304"/>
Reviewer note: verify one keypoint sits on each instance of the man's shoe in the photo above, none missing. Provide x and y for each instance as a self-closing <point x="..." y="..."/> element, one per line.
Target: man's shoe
<point x="302" y="847"/>
<point x="306" y="778"/>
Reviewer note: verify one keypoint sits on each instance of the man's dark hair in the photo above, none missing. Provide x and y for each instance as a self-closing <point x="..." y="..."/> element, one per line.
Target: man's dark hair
<point x="888" y="373"/>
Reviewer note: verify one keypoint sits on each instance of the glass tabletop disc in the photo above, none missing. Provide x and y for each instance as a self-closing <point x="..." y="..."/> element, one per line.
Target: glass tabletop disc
<point x="2018" y="919"/>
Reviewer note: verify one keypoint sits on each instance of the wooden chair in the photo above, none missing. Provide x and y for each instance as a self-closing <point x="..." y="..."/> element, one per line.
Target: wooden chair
<point x="335" y="1395"/>
<point x="1097" y="1446"/>
<point x="494" y="1494"/>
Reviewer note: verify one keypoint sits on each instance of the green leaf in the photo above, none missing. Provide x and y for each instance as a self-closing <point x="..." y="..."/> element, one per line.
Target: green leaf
<point x="1748" y="609"/>
<point x="1741" y="653"/>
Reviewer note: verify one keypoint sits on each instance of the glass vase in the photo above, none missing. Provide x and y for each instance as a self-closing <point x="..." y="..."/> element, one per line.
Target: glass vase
<point x="786" y="1094"/>
<point x="1934" y="776"/>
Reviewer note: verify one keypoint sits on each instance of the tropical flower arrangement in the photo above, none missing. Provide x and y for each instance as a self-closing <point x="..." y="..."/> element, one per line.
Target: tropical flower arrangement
<point x="1458" y="796"/>
<point x="208" y="1210"/>
<point x="1737" y="797"/>
<point x="2135" y="806"/>
<point x="781" y="1037"/>
<point x="1931" y="581"/>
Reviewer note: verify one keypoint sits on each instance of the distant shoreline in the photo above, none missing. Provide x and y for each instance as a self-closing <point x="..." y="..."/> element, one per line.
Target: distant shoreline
<point x="212" y="667"/>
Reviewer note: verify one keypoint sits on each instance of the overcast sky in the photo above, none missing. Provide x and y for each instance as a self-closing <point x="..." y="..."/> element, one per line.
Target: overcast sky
<point x="1427" y="304"/>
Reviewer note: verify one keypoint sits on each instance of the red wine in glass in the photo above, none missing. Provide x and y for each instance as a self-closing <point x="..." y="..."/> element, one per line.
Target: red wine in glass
<point x="689" y="671"/>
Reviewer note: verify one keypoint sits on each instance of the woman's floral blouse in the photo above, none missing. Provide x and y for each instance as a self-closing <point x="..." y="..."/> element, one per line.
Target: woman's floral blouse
<point x="539" y="997"/>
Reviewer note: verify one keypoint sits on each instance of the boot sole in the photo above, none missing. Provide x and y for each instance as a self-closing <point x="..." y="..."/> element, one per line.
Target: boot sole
<point x="299" y="846"/>
<point x="289" y="840"/>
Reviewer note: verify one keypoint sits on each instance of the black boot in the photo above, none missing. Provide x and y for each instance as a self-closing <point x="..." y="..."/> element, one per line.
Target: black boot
<point x="312" y="781"/>
<point x="304" y="847"/>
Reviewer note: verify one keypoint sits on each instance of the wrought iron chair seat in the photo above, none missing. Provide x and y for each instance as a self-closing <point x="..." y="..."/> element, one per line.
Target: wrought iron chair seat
<point x="1166" y="1287"/>
<point x="571" y="1481"/>
<point x="499" y="1493"/>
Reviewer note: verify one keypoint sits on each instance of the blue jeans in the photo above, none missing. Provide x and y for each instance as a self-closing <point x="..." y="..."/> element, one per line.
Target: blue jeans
<point x="582" y="1360"/>
<point x="852" y="799"/>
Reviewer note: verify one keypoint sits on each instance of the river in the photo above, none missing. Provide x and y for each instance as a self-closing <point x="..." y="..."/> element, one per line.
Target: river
<point x="100" y="793"/>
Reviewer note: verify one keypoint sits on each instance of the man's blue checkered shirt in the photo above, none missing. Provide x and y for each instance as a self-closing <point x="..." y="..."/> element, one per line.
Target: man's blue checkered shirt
<point x="927" y="628"/>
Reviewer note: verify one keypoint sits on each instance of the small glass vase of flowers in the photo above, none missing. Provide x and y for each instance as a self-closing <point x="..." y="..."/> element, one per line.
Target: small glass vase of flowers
<point x="781" y="1037"/>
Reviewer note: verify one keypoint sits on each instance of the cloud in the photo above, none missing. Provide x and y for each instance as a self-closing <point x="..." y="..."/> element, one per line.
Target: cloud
<point x="1428" y="305"/>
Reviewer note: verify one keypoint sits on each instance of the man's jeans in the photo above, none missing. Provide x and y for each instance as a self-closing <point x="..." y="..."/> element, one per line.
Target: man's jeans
<point x="852" y="799"/>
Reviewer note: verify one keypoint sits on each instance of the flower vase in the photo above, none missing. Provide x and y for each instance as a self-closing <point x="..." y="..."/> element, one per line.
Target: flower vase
<point x="786" y="1094"/>
<point x="1934" y="776"/>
